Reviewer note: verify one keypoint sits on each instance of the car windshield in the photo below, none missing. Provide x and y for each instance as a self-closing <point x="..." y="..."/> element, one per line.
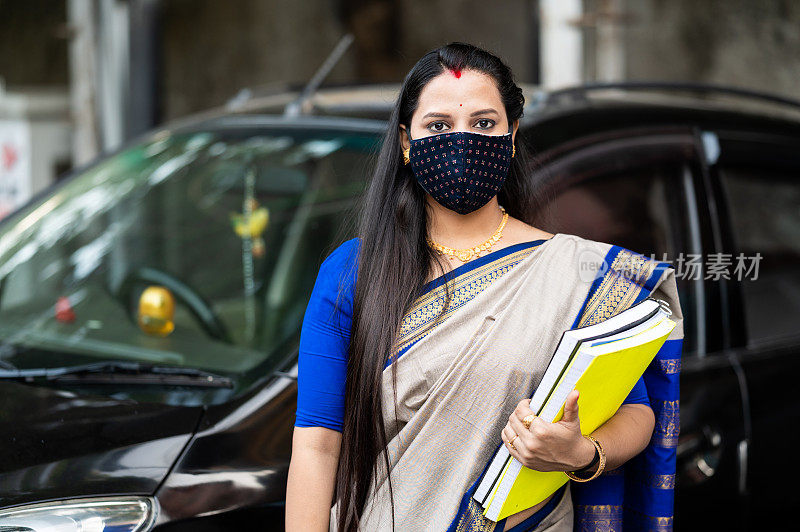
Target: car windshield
<point x="227" y="228"/>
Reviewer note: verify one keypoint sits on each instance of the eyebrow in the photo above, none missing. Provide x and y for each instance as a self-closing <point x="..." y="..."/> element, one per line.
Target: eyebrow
<point x="476" y="113"/>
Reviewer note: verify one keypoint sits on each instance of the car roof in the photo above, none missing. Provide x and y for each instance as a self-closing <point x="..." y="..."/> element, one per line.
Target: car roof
<point x="565" y="112"/>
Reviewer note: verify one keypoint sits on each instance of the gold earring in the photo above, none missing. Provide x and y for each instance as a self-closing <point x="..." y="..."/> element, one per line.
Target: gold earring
<point x="513" y="150"/>
<point x="406" y="158"/>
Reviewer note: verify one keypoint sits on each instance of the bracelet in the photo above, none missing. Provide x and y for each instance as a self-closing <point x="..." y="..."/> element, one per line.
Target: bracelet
<point x="588" y="466"/>
<point x="600" y="468"/>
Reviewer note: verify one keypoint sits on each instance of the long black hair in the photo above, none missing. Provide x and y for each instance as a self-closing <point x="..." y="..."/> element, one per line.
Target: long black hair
<point x="394" y="263"/>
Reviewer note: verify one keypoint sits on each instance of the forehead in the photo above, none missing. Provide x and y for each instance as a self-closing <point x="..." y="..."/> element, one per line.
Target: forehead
<point x="448" y="93"/>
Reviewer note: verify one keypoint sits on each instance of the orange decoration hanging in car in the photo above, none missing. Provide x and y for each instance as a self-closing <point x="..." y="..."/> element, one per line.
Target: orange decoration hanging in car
<point x="252" y="225"/>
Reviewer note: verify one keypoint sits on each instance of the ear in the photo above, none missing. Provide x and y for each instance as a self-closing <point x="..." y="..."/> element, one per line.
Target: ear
<point x="514" y="130"/>
<point x="404" y="142"/>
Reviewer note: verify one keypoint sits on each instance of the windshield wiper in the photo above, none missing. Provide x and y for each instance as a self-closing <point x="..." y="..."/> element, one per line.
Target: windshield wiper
<point x="120" y="372"/>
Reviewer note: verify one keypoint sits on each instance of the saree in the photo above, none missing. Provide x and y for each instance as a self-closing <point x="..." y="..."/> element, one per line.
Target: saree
<point x="461" y="373"/>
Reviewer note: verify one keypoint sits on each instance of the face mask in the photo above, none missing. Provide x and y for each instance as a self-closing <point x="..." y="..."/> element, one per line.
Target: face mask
<point x="461" y="170"/>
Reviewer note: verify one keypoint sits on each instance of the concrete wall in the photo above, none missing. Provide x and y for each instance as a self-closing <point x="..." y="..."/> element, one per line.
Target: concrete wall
<point x="747" y="43"/>
<point x="33" y="43"/>
<point x="213" y="48"/>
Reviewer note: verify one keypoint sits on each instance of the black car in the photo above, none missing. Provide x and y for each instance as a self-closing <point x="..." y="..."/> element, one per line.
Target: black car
<point x="151" y="302"/>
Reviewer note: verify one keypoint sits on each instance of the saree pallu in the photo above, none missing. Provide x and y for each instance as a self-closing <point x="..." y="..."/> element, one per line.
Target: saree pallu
<point x="461" y="374"/>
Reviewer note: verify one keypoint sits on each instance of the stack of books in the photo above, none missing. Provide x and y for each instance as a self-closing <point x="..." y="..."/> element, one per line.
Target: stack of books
<point x="603" y="362"/>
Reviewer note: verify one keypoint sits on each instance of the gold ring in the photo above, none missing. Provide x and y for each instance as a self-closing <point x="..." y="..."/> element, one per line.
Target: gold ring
<point x="527" y="420"/>
<point x="511" y="443"/>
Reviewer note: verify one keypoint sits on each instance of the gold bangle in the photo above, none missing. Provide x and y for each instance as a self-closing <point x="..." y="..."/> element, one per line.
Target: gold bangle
<point x="600" y="466"/>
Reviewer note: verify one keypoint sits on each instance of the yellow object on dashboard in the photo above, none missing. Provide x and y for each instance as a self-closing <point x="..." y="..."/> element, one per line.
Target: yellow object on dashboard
<point x="156" y="311"/>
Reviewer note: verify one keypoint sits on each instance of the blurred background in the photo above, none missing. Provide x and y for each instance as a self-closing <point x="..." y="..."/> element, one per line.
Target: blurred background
<point x="171" y="180"/>
<point x="79" y="77"/>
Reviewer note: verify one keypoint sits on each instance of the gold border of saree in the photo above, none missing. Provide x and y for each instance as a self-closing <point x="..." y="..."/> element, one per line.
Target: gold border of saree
<point x="424" y="315"/>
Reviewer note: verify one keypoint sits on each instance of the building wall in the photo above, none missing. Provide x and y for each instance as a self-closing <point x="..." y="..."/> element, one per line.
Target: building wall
<point x="33" y="43"/>
<point x="212" y="49"/>
<point x="746" y="43"/>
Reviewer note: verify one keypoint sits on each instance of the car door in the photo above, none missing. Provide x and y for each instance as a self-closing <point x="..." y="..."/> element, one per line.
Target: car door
<point x="756" y="179"/>
<point x="642" y="189"/>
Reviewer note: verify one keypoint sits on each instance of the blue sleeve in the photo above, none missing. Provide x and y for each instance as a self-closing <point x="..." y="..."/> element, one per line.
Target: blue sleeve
<point x="324" y="341"/>
<point x="638" y="393"/>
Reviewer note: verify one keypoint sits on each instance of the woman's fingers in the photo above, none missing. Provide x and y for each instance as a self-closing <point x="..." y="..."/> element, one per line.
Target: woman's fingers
<point x="544" y="446"/>
<point x="541" y="444"/>
<point x="571" y="408"/>
<point x="525" y="436"/>
<point x="523" y="408"/>
<point x="508" y="435"/>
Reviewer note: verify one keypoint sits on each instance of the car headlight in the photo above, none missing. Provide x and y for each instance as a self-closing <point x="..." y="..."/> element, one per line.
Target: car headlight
<point x="96" y="514"/>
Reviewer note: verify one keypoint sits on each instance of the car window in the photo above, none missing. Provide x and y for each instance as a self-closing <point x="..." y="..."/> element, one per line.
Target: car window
<point x="637" y="208"/>
<point x="764" y="208"/>
<point x="233" y="224"/>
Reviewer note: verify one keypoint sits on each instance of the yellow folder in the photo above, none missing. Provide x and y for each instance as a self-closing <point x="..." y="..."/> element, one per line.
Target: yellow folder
<point x="603" y="386"/>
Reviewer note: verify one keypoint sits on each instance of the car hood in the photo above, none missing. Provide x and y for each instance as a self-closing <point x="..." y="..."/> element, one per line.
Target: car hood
<point x="57" y="444"/>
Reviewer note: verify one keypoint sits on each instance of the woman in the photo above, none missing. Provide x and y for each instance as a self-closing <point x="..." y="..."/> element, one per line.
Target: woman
<point x="426" y="335"/>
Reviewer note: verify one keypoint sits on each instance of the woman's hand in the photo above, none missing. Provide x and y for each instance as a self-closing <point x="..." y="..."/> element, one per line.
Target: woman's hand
<point x="547" y="446"/>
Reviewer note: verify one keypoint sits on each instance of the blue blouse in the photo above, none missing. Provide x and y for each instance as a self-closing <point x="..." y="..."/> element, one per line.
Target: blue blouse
<point x="325" y="339"/>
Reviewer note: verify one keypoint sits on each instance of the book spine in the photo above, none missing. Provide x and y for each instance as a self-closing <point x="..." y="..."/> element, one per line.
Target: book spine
<point x="495" y="468"/>
<point x="501" y="492"/>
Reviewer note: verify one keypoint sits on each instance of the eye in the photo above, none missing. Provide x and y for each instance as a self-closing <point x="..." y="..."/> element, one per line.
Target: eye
<point x="432" y="126"/>
<point x="490" y="123"/>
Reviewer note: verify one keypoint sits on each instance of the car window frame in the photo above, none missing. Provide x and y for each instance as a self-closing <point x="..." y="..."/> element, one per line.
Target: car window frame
<point x="648" y="145"/>
<point x="768" y="150"/>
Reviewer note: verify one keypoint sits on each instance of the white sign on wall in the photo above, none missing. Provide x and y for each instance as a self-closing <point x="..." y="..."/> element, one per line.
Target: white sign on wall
<point x="15" y="165"/>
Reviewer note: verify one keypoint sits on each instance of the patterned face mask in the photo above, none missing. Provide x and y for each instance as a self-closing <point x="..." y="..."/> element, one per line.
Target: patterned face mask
<point x="461" y="170"/>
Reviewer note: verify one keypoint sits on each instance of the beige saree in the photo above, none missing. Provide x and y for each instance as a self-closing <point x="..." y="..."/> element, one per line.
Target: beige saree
<point x="461" y="376"/>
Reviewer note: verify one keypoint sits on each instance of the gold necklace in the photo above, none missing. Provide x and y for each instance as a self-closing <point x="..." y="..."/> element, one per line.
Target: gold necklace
<point x="465" y="254"/>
